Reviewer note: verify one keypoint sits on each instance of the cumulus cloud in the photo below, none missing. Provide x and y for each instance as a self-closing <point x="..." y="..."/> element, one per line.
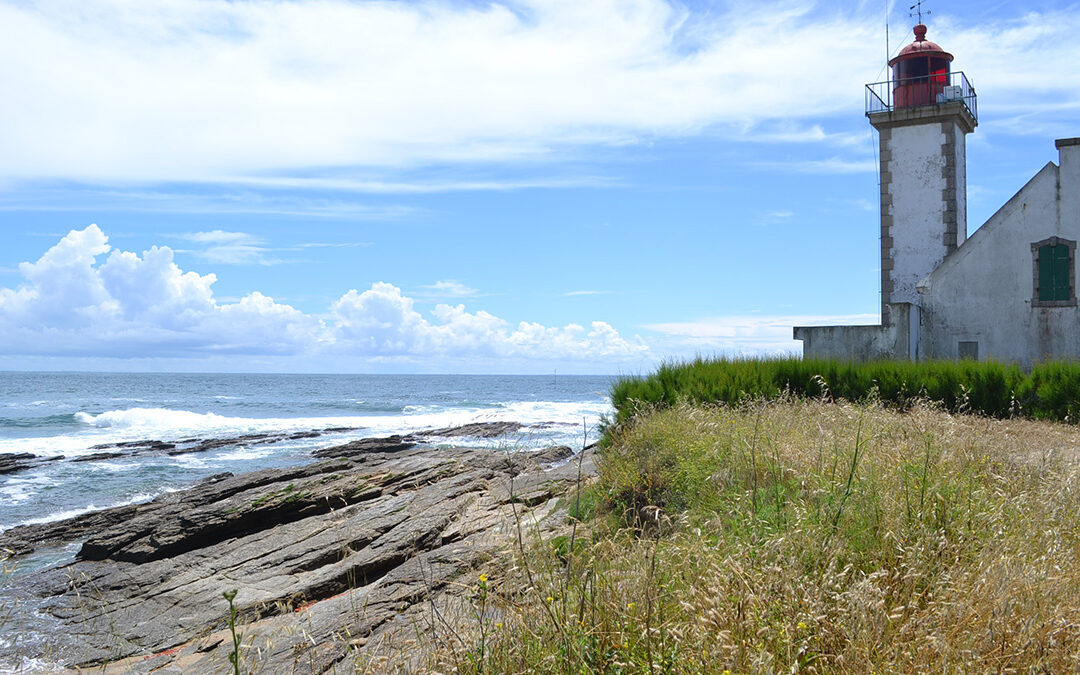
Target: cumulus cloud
<point x="135" y="304"/>
<point x="85" y="298"/>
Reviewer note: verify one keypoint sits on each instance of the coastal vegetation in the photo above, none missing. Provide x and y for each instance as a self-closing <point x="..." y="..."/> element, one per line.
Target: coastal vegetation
<point x="1049" y="390"/>
<point x="760" y="530"/>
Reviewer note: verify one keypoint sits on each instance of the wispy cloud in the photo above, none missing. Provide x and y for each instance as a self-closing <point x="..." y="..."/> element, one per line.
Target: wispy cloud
<point x="292" y="88"/>
<point x="230" y="248"/>
<point x="296" y="89"/>
<point x="346" y="244"/>
<point x="422" y="186"/>
<point x="571" y="294"/>
<point x="774" y="217"/>
<point x="831" y="165"/>
<point x="448" y="288"/>
<point x="33" y="197"/>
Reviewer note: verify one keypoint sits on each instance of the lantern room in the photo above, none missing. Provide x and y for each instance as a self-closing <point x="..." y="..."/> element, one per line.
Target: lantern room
<point x="920" y="73"/>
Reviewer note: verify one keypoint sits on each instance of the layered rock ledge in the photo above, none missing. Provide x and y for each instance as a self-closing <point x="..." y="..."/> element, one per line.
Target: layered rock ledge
<point x="333" y="562"/>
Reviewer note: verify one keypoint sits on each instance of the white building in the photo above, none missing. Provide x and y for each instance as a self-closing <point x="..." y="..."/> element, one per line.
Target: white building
<point x="1007" y="292"/>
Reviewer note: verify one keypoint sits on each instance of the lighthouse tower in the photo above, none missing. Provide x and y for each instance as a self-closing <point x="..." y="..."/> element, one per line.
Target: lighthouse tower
<point x="922" y="116"/>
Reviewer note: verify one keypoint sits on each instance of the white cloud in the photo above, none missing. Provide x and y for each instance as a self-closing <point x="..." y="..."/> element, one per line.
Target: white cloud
<point x="84" y="198"/>
<point x="268" y="93"/>
<point x="383" y="320"/>
<point x="230" y="248"/>
<point x="119" y="90"/>
<point x="449" y="288"/>
<point x="832" y="165"/>
<point x="72" y="303"/>
<point x="131" y="305"/>
<point x="500" y="184"/>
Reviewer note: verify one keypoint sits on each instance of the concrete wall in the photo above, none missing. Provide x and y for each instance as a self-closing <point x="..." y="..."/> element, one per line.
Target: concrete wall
<point x="896" y="340"/>
<point x="985" y="291"/>
<point x="916" y="170"/>
<point x="923" y="193"/>
<point x="960" y="186"/>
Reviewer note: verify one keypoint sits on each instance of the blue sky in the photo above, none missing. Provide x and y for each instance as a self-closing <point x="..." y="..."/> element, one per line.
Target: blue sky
<point x="535" y="186"/>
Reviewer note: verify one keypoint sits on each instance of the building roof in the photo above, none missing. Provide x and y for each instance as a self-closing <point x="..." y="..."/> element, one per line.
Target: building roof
<point x="921" y="47"/>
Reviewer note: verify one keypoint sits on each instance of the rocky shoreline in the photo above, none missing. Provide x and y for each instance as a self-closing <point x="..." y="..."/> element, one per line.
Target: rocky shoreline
<point x="334" y="562"/>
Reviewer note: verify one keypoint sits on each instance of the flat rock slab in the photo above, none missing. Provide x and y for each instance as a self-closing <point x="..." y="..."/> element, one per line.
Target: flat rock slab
<point x="327" y="559"/>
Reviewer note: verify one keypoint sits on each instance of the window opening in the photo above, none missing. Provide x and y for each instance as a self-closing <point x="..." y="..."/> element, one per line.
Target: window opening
<point x="1054" y="273"/>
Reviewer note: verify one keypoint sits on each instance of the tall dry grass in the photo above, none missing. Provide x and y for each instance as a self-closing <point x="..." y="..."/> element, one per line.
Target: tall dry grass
<point x="801" y="536"/>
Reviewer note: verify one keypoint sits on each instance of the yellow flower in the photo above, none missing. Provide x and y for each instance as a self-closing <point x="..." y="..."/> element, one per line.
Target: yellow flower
<point x="550" y="599"/>
<point x="629" y="605"/>
<point x="802" y="625"/>
<point x="483" y="578"/>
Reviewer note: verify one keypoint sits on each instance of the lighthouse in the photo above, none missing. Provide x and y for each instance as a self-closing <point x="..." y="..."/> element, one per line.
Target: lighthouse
<point x="922" y="114"/>
<point x="1007" y="292"/>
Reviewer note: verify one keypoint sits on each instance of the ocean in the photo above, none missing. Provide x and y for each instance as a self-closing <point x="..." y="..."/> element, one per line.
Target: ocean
<point x="68" y="414"/>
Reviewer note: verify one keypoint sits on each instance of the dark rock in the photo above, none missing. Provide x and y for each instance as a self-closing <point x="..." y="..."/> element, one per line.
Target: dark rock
<point x="476" y="430"/>
<point x="15" y="461"/>
<point x="368" y="445"/>
<point x="215" y="443"/>
<point x="97" y="456"/>
<point x="20" y="461"/>
<point x="136" y="446"/>
<point x="28" y="538"/>
<point x="552" y="454"/>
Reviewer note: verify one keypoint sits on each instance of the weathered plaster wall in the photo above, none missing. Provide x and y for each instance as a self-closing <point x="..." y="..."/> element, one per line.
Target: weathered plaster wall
<point x="896" y="340"/>
<point x="984" y="291"/>
<point x="916" y="172"/>
<point x="960" y="194"/>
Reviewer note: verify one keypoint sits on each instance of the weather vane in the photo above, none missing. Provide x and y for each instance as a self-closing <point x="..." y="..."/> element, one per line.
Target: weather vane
<point x="917" y="9"/>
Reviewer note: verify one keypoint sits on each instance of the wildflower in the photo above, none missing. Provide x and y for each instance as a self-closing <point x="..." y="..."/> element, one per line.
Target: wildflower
<point x="802" y="625"/>
<point x="483" y="578"/>
<point x="629" y="605"/>
<point x="550" y="599"/>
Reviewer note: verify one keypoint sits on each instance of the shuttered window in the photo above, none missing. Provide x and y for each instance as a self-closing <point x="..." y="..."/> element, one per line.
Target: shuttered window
<point x="1054" y="267"/>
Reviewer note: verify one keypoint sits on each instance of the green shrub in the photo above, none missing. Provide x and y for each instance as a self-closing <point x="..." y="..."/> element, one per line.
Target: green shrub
<point x="1051" y="390"/>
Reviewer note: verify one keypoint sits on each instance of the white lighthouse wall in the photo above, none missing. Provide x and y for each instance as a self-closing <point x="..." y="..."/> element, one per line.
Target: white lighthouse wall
<point x="961" y="188"/>
<point x="983" y="293"/>
<point x="917" y="184"/>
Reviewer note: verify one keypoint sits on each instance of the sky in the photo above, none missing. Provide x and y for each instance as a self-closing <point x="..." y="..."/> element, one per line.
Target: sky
<point x="455" y="186"/>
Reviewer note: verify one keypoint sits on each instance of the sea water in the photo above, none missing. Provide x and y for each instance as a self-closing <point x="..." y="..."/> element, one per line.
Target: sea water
<point x="68" y="414"/>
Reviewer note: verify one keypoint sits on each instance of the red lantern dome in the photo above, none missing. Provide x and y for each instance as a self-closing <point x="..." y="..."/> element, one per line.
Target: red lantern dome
<point x="920" y="72"/>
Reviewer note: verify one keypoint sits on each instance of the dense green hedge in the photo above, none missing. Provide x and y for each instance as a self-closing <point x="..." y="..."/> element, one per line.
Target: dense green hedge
<point x="1050" y="390"/>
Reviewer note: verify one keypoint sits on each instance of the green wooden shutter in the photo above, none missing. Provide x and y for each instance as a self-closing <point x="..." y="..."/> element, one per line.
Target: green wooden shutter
<point x="1054" y="268"/>
<point x="1061" y="272"/>
<point x="1046" y="272"/>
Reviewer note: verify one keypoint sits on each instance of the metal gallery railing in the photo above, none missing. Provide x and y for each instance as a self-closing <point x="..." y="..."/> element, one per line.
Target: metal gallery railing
<point x="916" y="92"/>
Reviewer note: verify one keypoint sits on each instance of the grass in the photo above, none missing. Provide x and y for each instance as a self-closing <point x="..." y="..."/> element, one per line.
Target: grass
<point x="1050" y="390"/>
<point x="796" y="535"/>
